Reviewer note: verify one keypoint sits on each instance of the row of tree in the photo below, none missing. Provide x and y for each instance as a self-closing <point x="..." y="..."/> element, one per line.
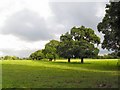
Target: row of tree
<point x="49" y="56"/>
<point x="78" y="43"/>
<point x="9" y="58"/>
<point x="82" y="42"/>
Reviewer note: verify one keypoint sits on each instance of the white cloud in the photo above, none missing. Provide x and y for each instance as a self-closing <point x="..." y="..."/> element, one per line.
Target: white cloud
<point x="10" y="42"/>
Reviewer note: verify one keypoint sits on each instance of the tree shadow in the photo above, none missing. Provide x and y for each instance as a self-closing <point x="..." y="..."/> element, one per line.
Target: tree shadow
<point x="71" y="63"/>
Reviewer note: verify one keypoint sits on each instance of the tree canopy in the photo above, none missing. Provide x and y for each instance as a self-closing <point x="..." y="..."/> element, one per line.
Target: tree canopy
<point x="65" y="48"/>
<point x="79" y="43"/>
<point x="110" y="27"/>
<point x="50" y="50"/>
<point x="37" y="55"/>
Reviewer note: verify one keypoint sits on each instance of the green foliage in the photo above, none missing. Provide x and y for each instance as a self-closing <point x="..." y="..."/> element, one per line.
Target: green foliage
<point x="79" y="43"/>
<point x="113" y="55"/>
<point x="38" y="55"/>
<point x="50" y="50"/>
<point x="110" y="27"/>
<point x="7" y="58"/>
<point x="10" y="58"/>
<point x="85" y="34"/>
<point x="1" y="58"/>
<point x="65" y="48"/>
<point x="49" y="56"/>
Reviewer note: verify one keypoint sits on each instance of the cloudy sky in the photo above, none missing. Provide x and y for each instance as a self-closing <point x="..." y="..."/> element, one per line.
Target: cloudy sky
<point x="27" y="25"/>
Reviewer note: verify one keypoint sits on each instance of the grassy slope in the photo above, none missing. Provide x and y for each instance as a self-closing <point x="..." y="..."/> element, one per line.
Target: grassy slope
<point x="42" y="74"/>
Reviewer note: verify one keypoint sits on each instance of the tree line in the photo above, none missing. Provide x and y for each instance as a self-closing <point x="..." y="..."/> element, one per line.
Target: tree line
<point x="78" y="43"/>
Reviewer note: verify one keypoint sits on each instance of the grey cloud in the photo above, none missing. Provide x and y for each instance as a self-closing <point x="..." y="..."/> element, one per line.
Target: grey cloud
<point x="72" y="14"/>
<point x="27" y="25"/>
<point x="76" y="13"/>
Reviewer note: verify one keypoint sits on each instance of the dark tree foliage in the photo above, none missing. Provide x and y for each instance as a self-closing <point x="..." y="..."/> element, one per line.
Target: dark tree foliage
<point x="110" y="27"/>
<point x="66" y="46"/>
<point x="84" y="42"/>
<point x="79" y="43"/>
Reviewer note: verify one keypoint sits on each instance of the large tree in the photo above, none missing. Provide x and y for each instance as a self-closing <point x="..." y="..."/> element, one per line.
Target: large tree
<point x="50" y="50"/>
<point x="84" y="42"/>
<point x="79" y="43"/>
<point x="110" y="27"/>
<point x="65" y="48"/>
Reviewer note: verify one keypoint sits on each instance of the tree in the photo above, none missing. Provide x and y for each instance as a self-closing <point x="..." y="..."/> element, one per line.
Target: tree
<point x="65" y="48"/>
<point x="110" y="27"/>
<point x="32" y="56"/>
<point x="15" y="58"/>
<point x="79" y="43"/>
<point x="8" y="58"/>
<point x="114" y="55"/>
<point x="38" y="55"/>
<point x="50" y="56"/>
<point x="84" y="42"/>
<point x="50" y="50"/>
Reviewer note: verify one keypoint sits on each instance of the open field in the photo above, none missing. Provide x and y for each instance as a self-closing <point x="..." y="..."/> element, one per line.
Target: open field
<point x="60" y="74"/>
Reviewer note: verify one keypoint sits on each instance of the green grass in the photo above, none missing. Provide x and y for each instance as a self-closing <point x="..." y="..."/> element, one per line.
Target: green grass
<point x="60" y="74"/>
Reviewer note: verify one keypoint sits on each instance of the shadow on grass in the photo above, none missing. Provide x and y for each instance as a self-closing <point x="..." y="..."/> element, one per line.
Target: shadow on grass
<point x="64" y="65"/>
<point x="71" y="63"/>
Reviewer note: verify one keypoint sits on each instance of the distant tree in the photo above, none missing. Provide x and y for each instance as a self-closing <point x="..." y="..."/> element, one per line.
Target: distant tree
<point x="33" y="56"/>
<point x="1" y="58"/>
<point x="8" y="58"/>
<point x="15" y="58"/>
<point x="110" y="27"/>
<point x="50" y="50"/>
<point x="114" y="55"/>
<point x="38" y="55"/>
<point x="79" y="43"/>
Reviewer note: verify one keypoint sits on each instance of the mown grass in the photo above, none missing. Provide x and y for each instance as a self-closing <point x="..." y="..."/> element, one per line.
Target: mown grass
<point x="60" y="74"/>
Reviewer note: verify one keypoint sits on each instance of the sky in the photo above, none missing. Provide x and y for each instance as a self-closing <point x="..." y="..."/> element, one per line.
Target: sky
<point x="27" y="25"/>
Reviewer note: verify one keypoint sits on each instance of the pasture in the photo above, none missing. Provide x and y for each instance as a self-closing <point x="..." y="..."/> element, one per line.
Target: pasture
<point x="60" y="74"/>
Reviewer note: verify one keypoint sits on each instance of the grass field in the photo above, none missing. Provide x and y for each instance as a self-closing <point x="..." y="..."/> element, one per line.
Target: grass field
<point x="60" y="74"/>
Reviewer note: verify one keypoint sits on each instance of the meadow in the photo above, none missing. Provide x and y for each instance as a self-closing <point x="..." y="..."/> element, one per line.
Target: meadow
<point x="94" y="73"/>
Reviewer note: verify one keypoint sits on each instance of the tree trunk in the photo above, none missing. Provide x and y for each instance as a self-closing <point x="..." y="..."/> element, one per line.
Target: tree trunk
<point x="54" y="59"/>
<point x="50" y="59"/>
<point x="69" y="60"/>
<point x="82" y="60"/>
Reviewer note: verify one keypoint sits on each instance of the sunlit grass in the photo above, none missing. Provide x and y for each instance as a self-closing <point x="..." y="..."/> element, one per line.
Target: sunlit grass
<point x="60" y="73"/>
